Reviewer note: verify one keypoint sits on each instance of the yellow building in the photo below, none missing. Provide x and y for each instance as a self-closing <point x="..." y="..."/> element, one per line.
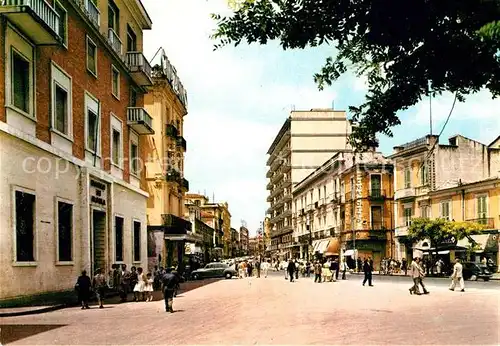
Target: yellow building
<point x="168" y="231"/>
<point x="425" y="165"/>
<point x="477" y="202"/>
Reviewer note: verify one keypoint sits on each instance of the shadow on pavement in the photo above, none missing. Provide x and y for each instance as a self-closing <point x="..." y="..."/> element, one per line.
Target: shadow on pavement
<point x="13" y="332"/>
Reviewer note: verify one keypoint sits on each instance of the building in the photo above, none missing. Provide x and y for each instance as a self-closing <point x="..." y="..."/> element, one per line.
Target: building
<point x="235" y="243"/>
<point x="344" y="208"/>
<point x="202" y="246"/>
<point x="72" y="127"/>
<point x="306" y="140"/>
<point x="267" y="235"/>
<point x="244" y="240"/>
<point x="424" y="166"/>
<point x="168" y="230"/>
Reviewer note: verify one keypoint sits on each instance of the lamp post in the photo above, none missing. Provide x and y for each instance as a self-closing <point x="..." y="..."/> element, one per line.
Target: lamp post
<point x="309" y="243"/>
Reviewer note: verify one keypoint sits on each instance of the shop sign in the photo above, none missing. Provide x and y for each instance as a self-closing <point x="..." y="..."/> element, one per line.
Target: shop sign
<point x="450" y="241"/>
<point x="359" y="201"/>
<point x="97" y="193"/>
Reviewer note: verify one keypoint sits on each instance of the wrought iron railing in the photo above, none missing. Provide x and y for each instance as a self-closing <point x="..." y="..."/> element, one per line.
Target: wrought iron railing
<point x="115" y="42"/>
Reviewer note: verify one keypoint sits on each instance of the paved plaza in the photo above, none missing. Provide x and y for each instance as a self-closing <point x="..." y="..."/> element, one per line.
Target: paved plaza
<point x="274" y="311"/>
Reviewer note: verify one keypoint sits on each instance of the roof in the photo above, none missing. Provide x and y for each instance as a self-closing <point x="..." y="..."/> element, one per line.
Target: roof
<point x="194" y="195"/>
<point x="463" y="186"/>
<point x="284" y="128"/>
<point x="496" y="140"/>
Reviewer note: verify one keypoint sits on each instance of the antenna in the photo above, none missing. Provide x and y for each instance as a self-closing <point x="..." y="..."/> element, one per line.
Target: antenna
<point x="213" y="197"/>
<point x="430" y="107"/>
<point x="333" y="105"/>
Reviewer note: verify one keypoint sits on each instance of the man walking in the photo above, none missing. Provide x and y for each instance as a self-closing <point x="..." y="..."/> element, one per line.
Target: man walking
<point x="367" y="269"/>
<point x="457" y="276"/>
<point x="291" y="269"/>
<point x="415" y="271"/>
<point x="317" y="272"/>
<point x="265" y="268"/>
<point x="170" y="282"/>
<point x="257" y="267"/>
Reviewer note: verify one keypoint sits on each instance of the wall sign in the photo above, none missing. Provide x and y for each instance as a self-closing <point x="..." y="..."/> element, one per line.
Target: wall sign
<point x="359" y="201"/>
<point x="98" y="194"/>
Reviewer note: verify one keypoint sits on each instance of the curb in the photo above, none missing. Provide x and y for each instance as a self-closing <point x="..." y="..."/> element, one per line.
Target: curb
<point x="403" y="276"/>
<point x="34" y="311"/>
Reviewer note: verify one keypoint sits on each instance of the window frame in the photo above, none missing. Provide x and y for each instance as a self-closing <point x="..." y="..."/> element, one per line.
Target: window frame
<point x="89" y="40"/>
<point x="57" y="3"/>
<point x="134" y="221"/>
<point x="447" y="202"/>
<point x="15" y="262"/>
<point x="31" y="81"/>
<point x="407" y="182"/>
<point x="131" y="159"/>
<point x="69" y="101"/>
<point x="118" y="164"/>
<point x="113" y="70"/>
<point x="99" y="120"/>
<point x="407" y="218"/>
<point x="424" y="175"/>
<point x="486" y="212"/>
<point x="56" y="230"/>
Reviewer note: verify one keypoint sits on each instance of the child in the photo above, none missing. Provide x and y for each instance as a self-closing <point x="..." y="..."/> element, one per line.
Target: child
<point x="148" y="289"/>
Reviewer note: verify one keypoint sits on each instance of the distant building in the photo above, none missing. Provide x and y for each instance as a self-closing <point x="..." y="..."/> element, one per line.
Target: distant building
<point x="244" y="240"/>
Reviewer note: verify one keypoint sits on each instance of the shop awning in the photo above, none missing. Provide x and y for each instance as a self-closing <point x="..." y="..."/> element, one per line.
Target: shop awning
<point x="333" y="248"/>
<point x="349" y="252"/>
<point x="482" y="240"/>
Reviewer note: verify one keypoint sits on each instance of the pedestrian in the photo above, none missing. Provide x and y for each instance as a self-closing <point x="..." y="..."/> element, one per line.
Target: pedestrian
<point x="421" y="277"/>
<point x="296" y="269"/>
<point x="265" y="268"/>
<point x="99" y="285"/>
<point x="291" y="269"/>
<point x="257" y="267"/>
<point x="367" y="269"/>
<point x="344" y="269"/>
<point x="249" y="269"/>
<point x="333" y="270"/>
<point x="457" y="276"/>
<point x="83" y="287"/>
<point x="404" y="266"/>
<point x="439" y="266"/>
<point x="148" y="288"/>
<point x="326" y="272"/>
<point x="308" y="269"/>
<point x="415" y="271"/>
<point x="133" y="281"/>
<point x="140" y="285"/>
<point x="124" y="283"/>
<point x="317" y="272"/>
<point x="169" y="282"/>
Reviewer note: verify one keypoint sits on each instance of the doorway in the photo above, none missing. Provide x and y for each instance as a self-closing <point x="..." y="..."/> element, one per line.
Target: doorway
<point x="98" y="247"/>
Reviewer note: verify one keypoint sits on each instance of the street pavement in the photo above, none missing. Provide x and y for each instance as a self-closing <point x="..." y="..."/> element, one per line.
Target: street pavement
<point x="274" y="311"/>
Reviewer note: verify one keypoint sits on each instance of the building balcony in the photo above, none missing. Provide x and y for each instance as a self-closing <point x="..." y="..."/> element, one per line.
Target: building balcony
<point x="287" y="197"/>
<point x="377" y="234"/>
<point x="140" y="120"/>
<point x="276" y="163"/>
<point x="488" y="222"/>
<point x="181" y="143"/>
<point x="377" y="226"/>
<point x="115" y="42"/>
<point x="376" y="194"/>
<point x="287" y="182"/>
<point x="276" y="177"/>
<point x="287" y="213"/>
<point x="90" y="8"/>
<point x="36" y="18"/>
<point x="408" y="192"/>
<point x="269" y="198"/>
<point x="173" y="176"/>
<point x="269" y="186"/>
<point x="140" y="68"/>
<point x="321" y="202"/>
<point x="310" y="207"/>
<point x="185" y="184"/>
<point x="269" y="174"/>
<point x="349" y="196"/>
<point x="174" y="225"/>
<point x="286" y="167"/>
<point x="401" y="231"/>
<point x="171" y="131"/>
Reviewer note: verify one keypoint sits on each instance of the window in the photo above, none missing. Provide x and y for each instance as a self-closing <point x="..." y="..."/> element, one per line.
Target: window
<point x="445" y="207"/>
<point x="118" y="239"/>
<point x="61" y="101"/>
<point x="407" y="216"/>
<point x="376" y="185"/>
<point x="63" y="22"/>
<point x="93" y="128"/>
<point x="131" y="40"/>
<point x="113" y="17"/>
<point x="407" y="177"/>
<point x="424" y="174"/>
<point x="425" y="212"/>
<point x="65" y="231"/>
<point x="377" y="218"/>
<point x="132" y="102"/>
<point x="115" y="82"/>
<point x="482" y="209"/>
<point x="134" y="158"/>
<point x="91" y="57"/>
<point x="20" y="82"/>
<point x="25" y="226"/>
<point x="116" y="146"/>
<point x="137" y="241"/>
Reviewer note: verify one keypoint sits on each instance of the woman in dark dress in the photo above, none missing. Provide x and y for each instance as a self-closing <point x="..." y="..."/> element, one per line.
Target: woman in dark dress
<point x="83" y="285"/>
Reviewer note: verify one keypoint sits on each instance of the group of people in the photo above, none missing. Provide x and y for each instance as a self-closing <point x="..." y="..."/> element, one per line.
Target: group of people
<point x="248" y="268"/>
<point x="417" y="273"/>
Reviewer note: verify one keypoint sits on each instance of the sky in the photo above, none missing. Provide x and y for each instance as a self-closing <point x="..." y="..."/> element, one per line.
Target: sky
<point x="239" y="98"/>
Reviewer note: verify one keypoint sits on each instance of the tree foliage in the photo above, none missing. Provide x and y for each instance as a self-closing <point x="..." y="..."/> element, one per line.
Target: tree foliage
<point x="438" y="230"/>
<point x="400" y="46"/>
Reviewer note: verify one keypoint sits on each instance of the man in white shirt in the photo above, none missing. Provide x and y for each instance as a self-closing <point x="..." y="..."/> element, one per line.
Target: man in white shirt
<point x="457" y="276"/>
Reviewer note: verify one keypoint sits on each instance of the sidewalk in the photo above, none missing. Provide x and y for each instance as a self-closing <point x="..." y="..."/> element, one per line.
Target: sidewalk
<point x="496" y="276"/>
<point x="112" y="298"/>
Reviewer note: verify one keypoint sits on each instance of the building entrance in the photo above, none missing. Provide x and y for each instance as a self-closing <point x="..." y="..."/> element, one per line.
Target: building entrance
<point x="98" y="247"/>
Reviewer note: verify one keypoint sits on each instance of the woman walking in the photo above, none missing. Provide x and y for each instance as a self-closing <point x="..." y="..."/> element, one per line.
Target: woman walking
<point x="140" y="285"/>
<point x="83" y="286"/>
<point x="100" y="286"/>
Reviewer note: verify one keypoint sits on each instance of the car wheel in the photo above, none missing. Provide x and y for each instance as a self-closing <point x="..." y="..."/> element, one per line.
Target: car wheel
<point x="486" y="279"/>
<point x="228" y="275"/>
<point x="196" y="276"/>
<point x="473" y="278"/>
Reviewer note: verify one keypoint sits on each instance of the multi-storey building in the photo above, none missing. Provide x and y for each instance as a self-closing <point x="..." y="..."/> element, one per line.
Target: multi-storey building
<point x="203" y="234"/>
<point x="346" y="206"/>
<point x="306" y="140"/>
<point x="267" y="235"/>
<point x="72" y="125"/>
<point x="423" y="166"/>
<point x="167" y="104"/>
<point x="235" y="243"/>
<point x="244" y="236"/>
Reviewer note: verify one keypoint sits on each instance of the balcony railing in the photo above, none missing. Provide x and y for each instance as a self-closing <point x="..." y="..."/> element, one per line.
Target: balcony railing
<point x="173" y="176"/>
<point x="93" y="12"/>
<point x="140" y="120"/>
<point x="36" y="17"/>
<point x="379" y="225"/>
<point x="376" y="194"/>
<point x="171" y="131"/>
<point x="115" y="42"/>
<point x="404" y="193"/>
<point x="175" y="225"/>
<point x="181" y="143"/>
<point x="140" y="68"/>
<point x="488" y="222"/>
<point x="185" y="184"/>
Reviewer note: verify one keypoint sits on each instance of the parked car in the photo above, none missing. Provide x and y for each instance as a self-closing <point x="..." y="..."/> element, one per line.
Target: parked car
<point x="214" y="270"/>
<point x="474" y="271"/>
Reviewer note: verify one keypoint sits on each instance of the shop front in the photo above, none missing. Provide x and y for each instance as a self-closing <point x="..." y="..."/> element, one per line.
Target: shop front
<point x="365" y="249"/>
